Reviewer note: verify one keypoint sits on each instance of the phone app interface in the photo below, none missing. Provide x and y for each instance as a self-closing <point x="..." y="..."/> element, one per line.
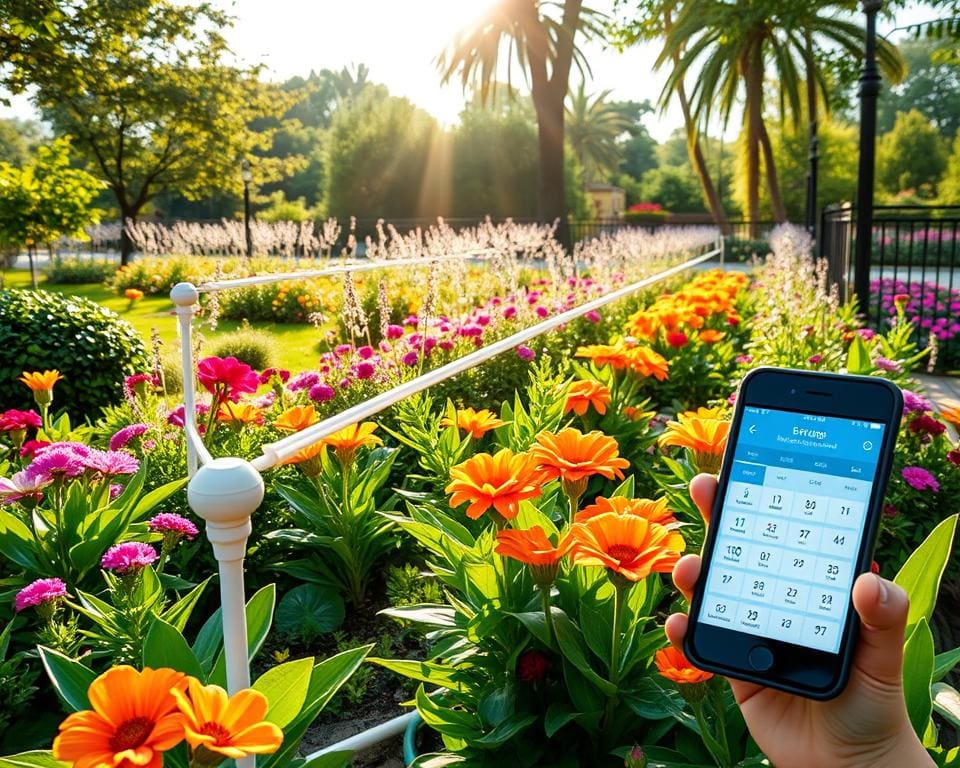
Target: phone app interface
<point x="790" y="526"/>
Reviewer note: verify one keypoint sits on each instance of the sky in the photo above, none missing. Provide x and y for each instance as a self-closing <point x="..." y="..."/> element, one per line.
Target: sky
<point x="399" y="41"/>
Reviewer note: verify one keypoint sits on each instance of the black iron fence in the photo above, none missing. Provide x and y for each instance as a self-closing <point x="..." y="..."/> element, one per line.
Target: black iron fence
<point x="914" y="261"/>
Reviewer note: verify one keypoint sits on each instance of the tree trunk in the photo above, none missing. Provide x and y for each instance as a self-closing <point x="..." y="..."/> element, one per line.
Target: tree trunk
<point x="126" y="244"/>
<point x="33" y="266"/>
<point x="769" y="164"/>
<point x="551" y="199"/>
<point x="754" y="80"/>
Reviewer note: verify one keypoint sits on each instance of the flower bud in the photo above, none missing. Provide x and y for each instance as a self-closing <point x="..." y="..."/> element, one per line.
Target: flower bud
<point x="635" y="758"/>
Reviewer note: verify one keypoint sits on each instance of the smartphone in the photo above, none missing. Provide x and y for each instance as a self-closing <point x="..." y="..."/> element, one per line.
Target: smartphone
<point x="793" y="524"/>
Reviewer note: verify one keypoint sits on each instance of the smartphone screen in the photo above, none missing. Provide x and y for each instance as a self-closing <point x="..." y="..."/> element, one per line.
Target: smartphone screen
<point x="791" y="524"/>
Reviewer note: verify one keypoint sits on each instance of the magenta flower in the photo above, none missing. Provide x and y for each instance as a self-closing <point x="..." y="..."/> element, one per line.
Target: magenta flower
<point x="227" y="376"/>
<point x="395" y="331"/>
<point x="743" y="359"/>
<point x="30" y="448"/>
<point x="40" y="592"/>
<point x="125" y="435"/>
<point x="59" y="461"/>
<point x="129" y="557"/>
<point x="914" y="403"/>
<point x="13" y="420"/>
<point x="322" y="393"/>
<point x="303" y="380"/>
<point x="866" y="333"/>
<point x="265" y="401"/>
<point x="592" y="316"/>
<point x="510" y="312"/>
<point x="170" y="523"/>
<point x="115" y="490"/>
<point x="364" y="370"/>
<point x="176" y="416"/>
<point x="542" y="311"/>
<point x="410" y="358"/>
<point x="365" y="352"/>
<point x="343" y="349"/>
<point x="137" y="384"/>
<point x="525" y="353"/>
<point x="815" y="359"/>
<point x="920" y="479"/>
<point x="22" y="485"/>
<point x="110" y="463"/>
<point x="884" y="364"/>
<point x="268" y="373"/>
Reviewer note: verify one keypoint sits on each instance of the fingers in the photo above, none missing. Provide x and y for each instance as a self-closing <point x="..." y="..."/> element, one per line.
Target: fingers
<point x="676" y="629"/>
<point x="685" y="574"/>
<point x="883" y="608"/>
<point x="702" y="490"/>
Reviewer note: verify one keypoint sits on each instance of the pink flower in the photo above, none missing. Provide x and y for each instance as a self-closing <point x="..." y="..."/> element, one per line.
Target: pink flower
<point x="341" y="350"/>
<point x="128" y="557"/>
<point x="410" y="358"/>
<point x="22" y="485"/>
<point x="303" y="380"/>
<point x="31" y="447"/>
<point x="395" y="331"/>
<point x="322" y="393"/>
<point x="176" y="416"/>
<point x="446" y="345"/>
<point x="115" y="490"/>
<point x="365" y="352"/>
<point x="15" y="420"/>
<point x="592" y="316"/>
<point x="110" y="463"/>
<point x="920" y="479"/>
<point x="170" y="523"/>
<point x="743" y="359"/>
<point x="59" y="461"/>
<point x="412" y="320"/>
<point x="264" y="401"/>
<point x="268" y="373"/>
<point x="364" y="370"/>
<point x="125" y="435"/>
<point x="137" y="384"/>
<point x="542" y="311"/>
<point x="815" y="359"/>
<point x="866" y="333"/>
<point x="483" y="319"/>
<point x="914" y="403"/>
<point x="525" y="353"/>
<point x="510" y="312"/>
<point x="890" y="366"/>
<point x="227" y="377"/>
<point x="40" y="592"/>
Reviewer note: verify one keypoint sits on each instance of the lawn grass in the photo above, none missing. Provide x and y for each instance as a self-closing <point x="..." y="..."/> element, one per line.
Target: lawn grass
<point x="295" y="350"/>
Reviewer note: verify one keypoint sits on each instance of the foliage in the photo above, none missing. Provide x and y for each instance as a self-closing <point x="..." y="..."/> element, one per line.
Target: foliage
<point x="912" y="156"/>
<point x="950" y="187"/>
<point x="17" y="680"/>
<point x="281" y="209"/>
<point x="592" y="129"/>
<point x="254" y="347"/>
<point x="410" y="585"/>
<point x="928" y="87"/>
<point x="91" y="346"/>
<point x="308" y="611"/>
<point x="77" y="271"/>
<point x="45" y="199"/>
<point x="18" y="140"/>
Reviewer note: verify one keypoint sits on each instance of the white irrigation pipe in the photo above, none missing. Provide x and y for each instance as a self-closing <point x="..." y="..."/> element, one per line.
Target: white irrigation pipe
<point x="357" y="266"/>
<point x="274" y="453"/>
<point x="366" y="739"/>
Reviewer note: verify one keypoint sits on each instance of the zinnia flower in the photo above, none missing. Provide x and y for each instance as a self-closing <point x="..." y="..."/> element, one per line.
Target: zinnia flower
<point x="926" y="424"/>
<point x="674" y="666"/>
<point x="230" y="726"/>
<point x="710" y="336"/>
<point x="14" y="420"/>
<point x="574" y="457"/>
<point x="586" y="393"/>
<point x="133" y="720"/>
<point x="40" y="592"/>
<point x="706" y="437"/>
<point x="654" y="511"/>
<point x="129" y="557"/>
<point x="123" y="436"/>
<point x="59" y="461"/>
<point x="500" y="481"/>
<point x="532" y="666"/>
<point x="308" y="459"/>
<point x="525" y="353"/>
<point x="347" y="441"/>
<point x="110" y="463"/>
<point x="920" y="479"/>
<point x="474" y="423"/>
<point x="626" y="545"/>
<point x="647" y="362"/>
<point x="23" y="485"/>
<point x="531" y="546"/>
<point x="296" y="418"/>
<point x="40" y="382"/>
<point x="239" y="413"/>
<point x="914" y="403"/>
<point x="227" y="378"/>
<point x="601" y="355"/>
<point x="322" y="393"/>
<point x="169" y="523"/>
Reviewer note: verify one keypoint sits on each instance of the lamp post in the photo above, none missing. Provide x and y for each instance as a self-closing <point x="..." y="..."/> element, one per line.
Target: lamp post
<point x="869" y="90"/>
<point x="813" y="158"/>
<point x="247" y="176"/>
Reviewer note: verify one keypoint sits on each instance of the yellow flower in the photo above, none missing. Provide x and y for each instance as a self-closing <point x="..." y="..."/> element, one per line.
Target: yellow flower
<point x="296" y="418"/>
<point x="475" y="423"/>
<point x="41" y="382"/>
<point x="346" y="441"/>
<point x="705" y="437"/>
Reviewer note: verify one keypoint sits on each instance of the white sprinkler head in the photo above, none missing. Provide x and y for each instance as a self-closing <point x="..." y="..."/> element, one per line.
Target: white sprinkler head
<point x="226" y="492"/>
<point x="184" y="294"/>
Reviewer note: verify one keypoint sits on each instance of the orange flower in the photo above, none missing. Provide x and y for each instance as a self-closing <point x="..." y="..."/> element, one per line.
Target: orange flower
<point x="134" y="720"/>
<point x="615" y="356"/>
<point x="475" y="423"/>
<point x="134" y="294"/>
<point x="532" y="547"/>
<point x="296" y="418"/>
<point x="710" y="336"/>
<point x="240" y="413"/>
<point x="950" y="412"/>
<point x="717" y="412"/>
<point x="308" y="459"/>
<point x="40" y="382"/>
<point x="573" y="456"/>
<point x="674" y="666"/>
<point x="706" y="437"/>
<point x="586" y="393"/>
<point x="647" y="362"/>
<point x="627" y="545"/>
<point x="501" y="481"/>
<point x="230" y="726"/>
<point x="654" y="511"/>
<point x="346" y="441"/>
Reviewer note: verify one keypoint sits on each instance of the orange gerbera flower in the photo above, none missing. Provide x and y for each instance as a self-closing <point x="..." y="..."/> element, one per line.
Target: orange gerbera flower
<point x="585" y="393"/>
<point x="40" y="382"/>
<point x="240" y="413"/>
<point x="710" y="336"/>
<point x="654" y="511"/>
<point x="674" y="666"/>
<point x="230" y="726"/>
<point x="296" y="418"/>
<point x="706" y="437"/>
<point x="627" y="545"/>
<point x="717" y="412"/>
<point x="647" y="362"/>
<point x="531" y="546"/>
<point x="308" y="459"/>
<point x="950" y="412"/>
<point x="474" y="423"/>
<point x="134" y="720"/>
<point x="573" y="456"/>
<point x="616" y="356"/>
<point x="346" y="441"/>
<point x="500" y="481"/>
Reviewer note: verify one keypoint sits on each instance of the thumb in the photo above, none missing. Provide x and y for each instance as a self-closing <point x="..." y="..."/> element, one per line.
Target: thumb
<point x="883" y="608"/>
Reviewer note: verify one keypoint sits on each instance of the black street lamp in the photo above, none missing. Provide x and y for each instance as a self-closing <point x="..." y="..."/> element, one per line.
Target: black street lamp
<point x="869" y="90"/>
<point x="813" y="157"/>
<point x="247" y="177"/>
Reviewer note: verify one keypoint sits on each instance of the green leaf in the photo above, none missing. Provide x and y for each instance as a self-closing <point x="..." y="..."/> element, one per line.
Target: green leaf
<point x="652" y="701"/>
<point x="308" y="610"/>
<point x="943" y="663"/>
<point x="70" y="678"/>
<point x="330" y="760"/>
<point x="259" y="615"/>
<point x="536" y="624"/>
<point x="573" y="648"/>
<point x="455" y="723"/>
<point x="558" y="715"/>
<point x="285" y="687"/>
<point x="920" y="575"/>
<point x="32" y="760"/>
<point x="858" y="356"/>
<point x="157" y="496"/>
<point x="424" y="671"/>
<point x="179" y="613"/>
<point x="917" y="676"/>
<point x="946" y="702"/>
<point x="164" y="646"/>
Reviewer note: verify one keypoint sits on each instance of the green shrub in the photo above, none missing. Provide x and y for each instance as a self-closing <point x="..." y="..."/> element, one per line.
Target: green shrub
<point x="645" y="217"/>
<point x="92" y="347"/>
<point x="74" y="271"/>
<point x="172" y="367"/>
<point x="253" y="347"/>
<point x="745" y="250"/>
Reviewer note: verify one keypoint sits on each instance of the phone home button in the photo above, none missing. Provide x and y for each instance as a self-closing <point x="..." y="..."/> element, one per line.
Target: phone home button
<point x="760" y="658"/>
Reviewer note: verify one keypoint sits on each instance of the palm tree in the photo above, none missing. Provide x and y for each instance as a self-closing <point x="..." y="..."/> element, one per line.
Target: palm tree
<point x="728" y="46"/>
<point x="541" y="36"/>
<point x="593" y="128"/>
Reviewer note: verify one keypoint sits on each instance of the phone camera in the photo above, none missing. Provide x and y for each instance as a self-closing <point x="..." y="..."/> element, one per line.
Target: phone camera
<point x="793" y="390"/>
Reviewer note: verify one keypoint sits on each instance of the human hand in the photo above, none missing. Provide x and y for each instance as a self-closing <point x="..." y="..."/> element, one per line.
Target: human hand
<point x="866" y="725"/>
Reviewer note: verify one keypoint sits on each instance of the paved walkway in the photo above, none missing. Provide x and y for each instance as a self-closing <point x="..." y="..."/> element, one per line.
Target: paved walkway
<point x="939" y="388"/>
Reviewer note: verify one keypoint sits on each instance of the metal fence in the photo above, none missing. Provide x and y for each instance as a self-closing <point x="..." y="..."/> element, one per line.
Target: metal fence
<point x="915" y="256"/>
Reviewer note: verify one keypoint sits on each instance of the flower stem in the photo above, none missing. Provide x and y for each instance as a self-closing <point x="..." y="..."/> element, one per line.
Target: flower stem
<point x="614" y="669"/>
<point x="719" y="751"/>
<point x="547" y="612"/>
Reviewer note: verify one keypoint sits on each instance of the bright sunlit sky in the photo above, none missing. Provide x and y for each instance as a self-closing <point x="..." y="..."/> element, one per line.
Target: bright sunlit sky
<point x="399" y="40"/>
